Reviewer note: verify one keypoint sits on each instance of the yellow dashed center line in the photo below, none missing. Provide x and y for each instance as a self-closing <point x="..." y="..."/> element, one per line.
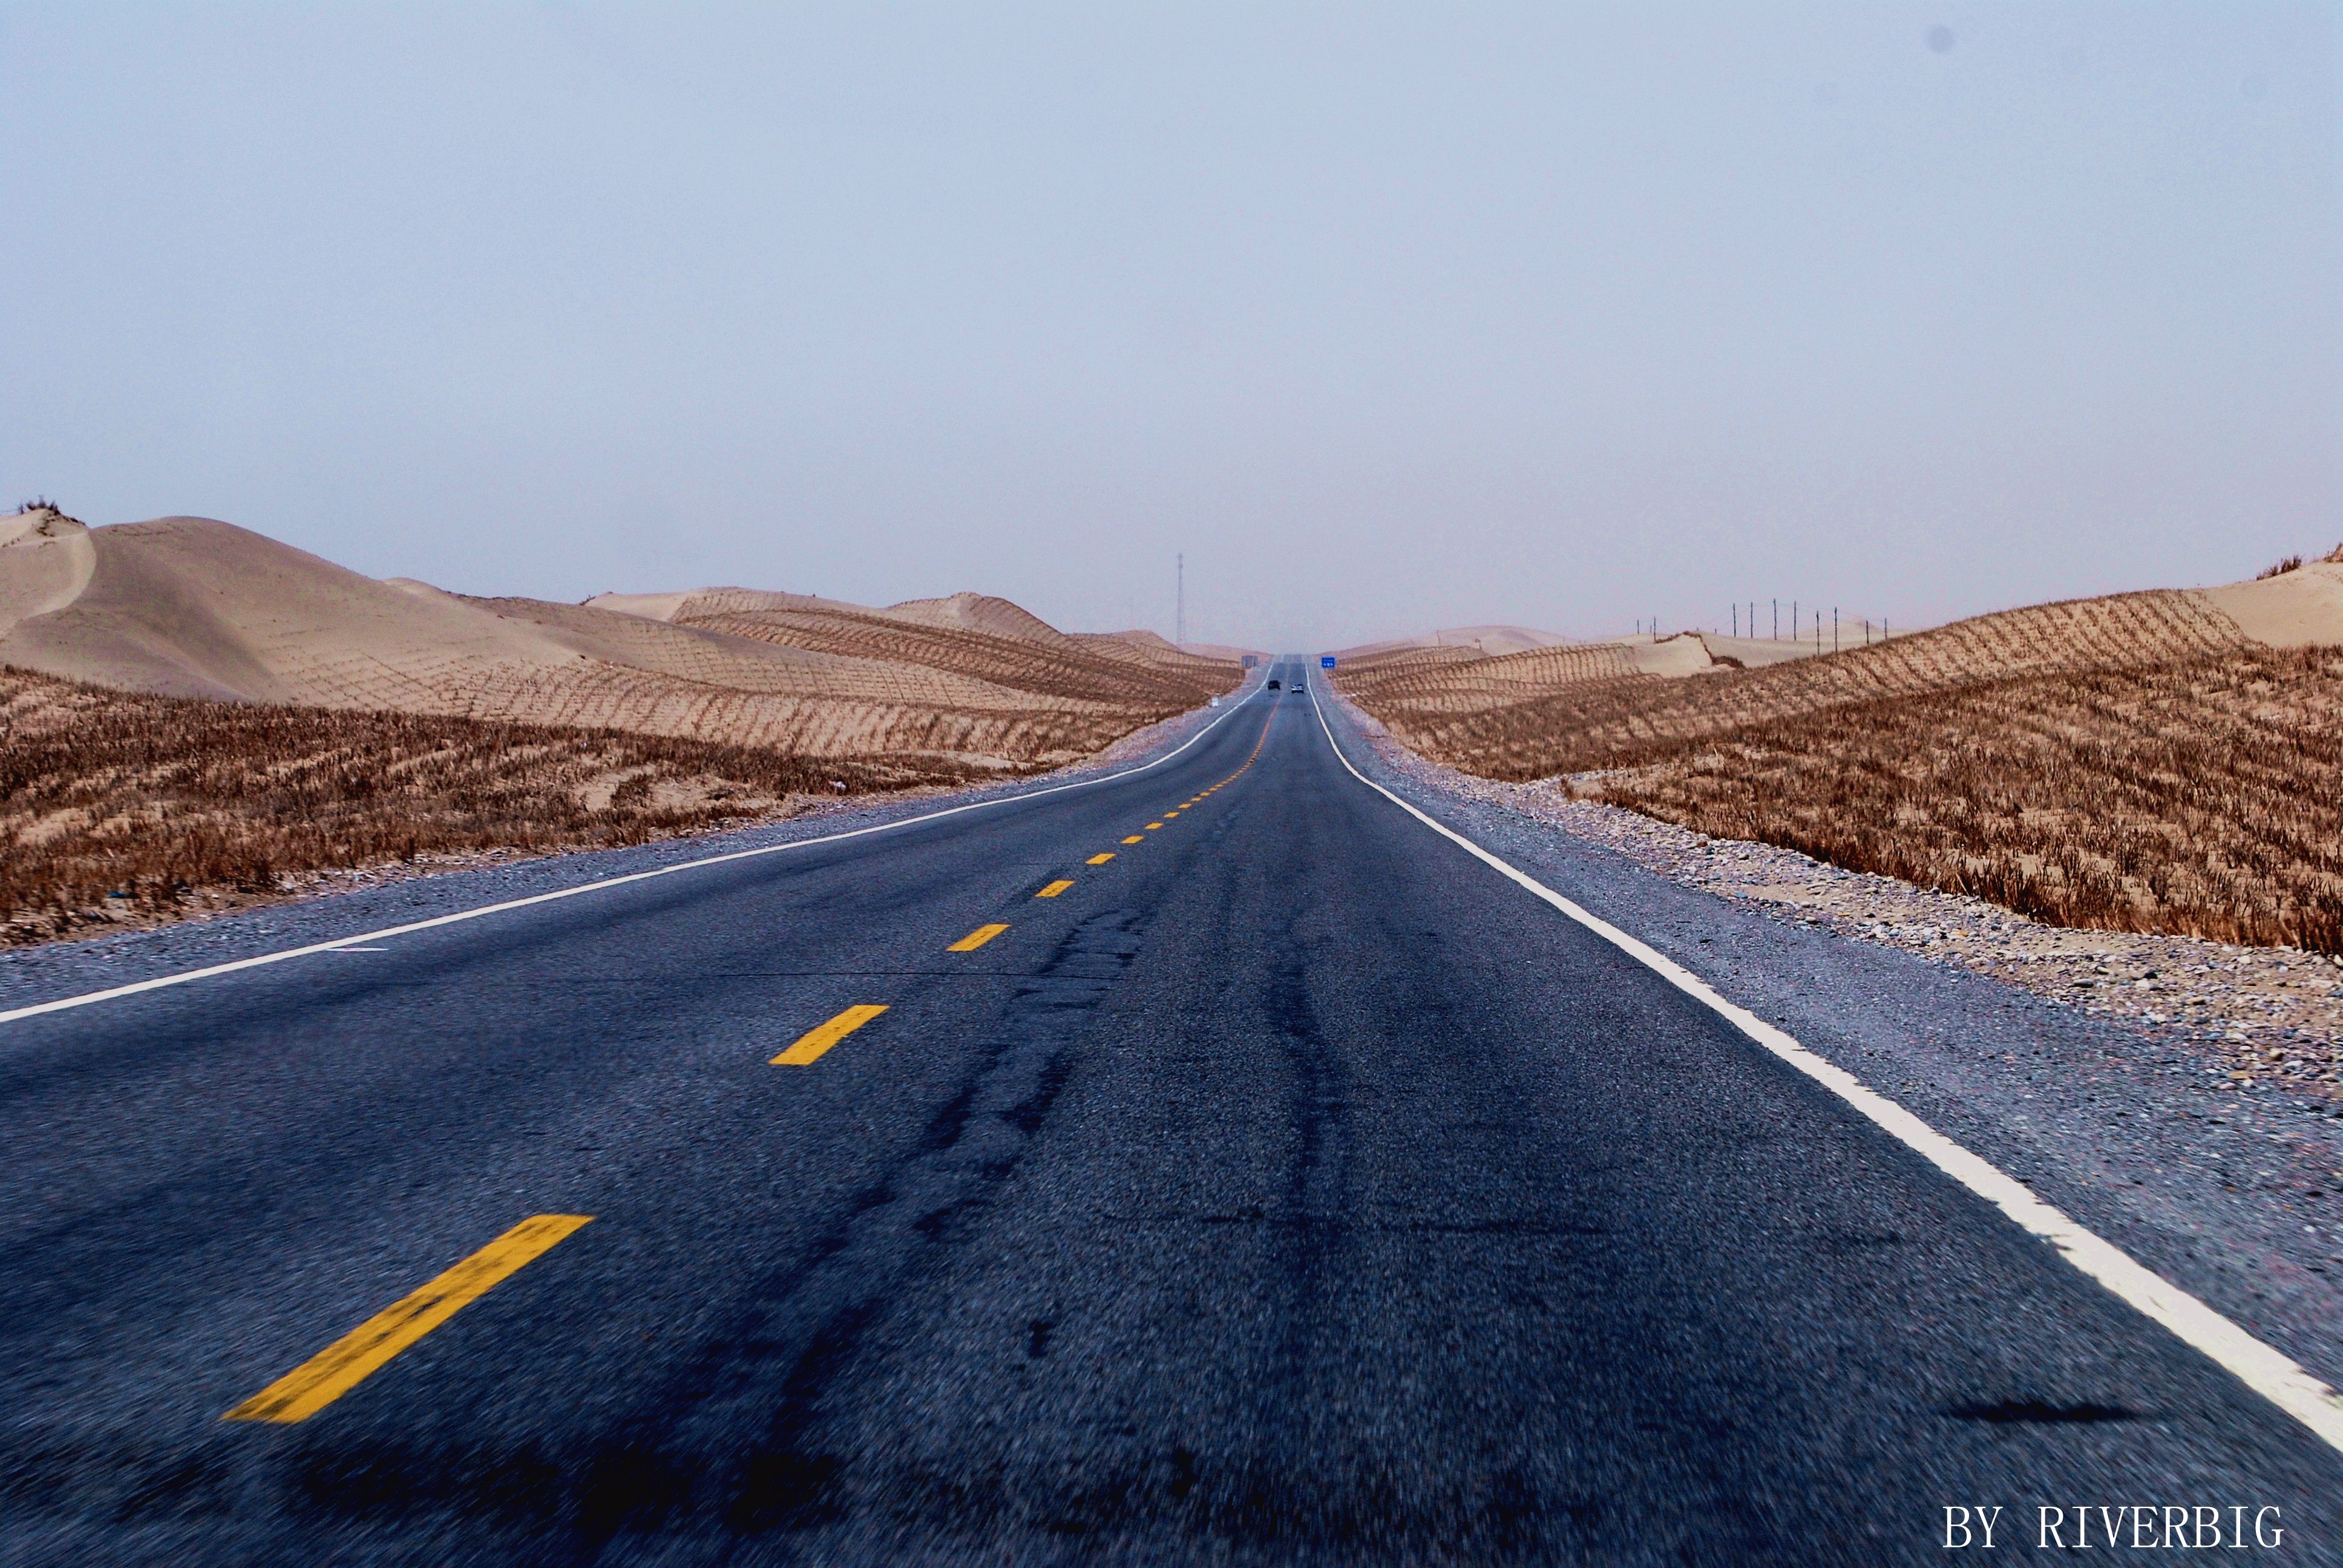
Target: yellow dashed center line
<point x="366" y="1349"/>
<point x="814" y="1040"/>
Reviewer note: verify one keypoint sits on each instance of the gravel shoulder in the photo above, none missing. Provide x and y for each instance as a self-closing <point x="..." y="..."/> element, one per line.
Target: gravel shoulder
<point x="332" y="905"/>
<point x="2165" y="1118"/>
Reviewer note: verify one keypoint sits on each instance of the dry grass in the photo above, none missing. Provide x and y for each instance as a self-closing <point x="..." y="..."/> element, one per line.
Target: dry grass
<point x="1068" y="670"/>
<point x="2202" y="797"/>
<point x="946" y="692"/>
<point x="2286" y="564"/>
<point x="116" y="806"/>
<point x="1605" y="721"/>
<point x="2133" y="763"/>
<point x="1450" y="681"/>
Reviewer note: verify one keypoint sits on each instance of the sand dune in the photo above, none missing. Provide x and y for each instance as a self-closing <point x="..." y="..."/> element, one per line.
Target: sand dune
<point x="1756" y="652"/>
<point x="1141" y="646"/>
<point x="1527" y="713"/>
<point x="2298" y="609"/>
<point x="46" y="564"/>
<point x="1464" y="677"/>
<point x="1422" y="684"/>
<point x="978" y="612"/>
<point x="2159" y="761"/>
<point x="191" y="606"/>
<point x="1491" y="640"/>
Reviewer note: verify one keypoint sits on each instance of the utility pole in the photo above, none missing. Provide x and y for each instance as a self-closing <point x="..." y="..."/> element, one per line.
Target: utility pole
<point x="1180" y="601"/>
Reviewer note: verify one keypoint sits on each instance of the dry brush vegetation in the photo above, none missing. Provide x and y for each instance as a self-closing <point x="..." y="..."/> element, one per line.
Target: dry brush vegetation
<point x="2203" y="798"/>
<point x="116" y="806"/>
<point x="1073" y="671"/>
<point x="1586" y="717"/>
<point x="2125" y="764"/>
<point x="944" y="691"/>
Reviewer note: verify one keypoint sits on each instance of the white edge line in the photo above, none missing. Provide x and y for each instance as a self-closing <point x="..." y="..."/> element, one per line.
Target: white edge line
<point x="2263" y="1367"/>
<point x="342" y="944"/>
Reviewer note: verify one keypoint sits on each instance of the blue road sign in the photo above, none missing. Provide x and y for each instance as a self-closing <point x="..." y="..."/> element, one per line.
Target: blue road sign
<point x="1325" y="661"/>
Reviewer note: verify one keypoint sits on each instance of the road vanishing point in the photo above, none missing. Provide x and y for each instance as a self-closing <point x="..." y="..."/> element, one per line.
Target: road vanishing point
<point x="1215" y="1163"/>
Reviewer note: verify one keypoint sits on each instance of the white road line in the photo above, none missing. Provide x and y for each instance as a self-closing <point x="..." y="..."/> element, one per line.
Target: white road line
<point x="2263" y="1367"/>
<point x="346" y="944"/>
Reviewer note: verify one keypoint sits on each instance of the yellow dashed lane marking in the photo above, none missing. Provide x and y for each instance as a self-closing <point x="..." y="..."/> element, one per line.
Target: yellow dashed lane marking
<point x="814" y="1042"/>
<point x="1100" y="859"/>
<point x="364" y="1350"/>
<point x="1183" y="806"/>
<point x="1053" y="890"/>
<point x="976" y="939"/>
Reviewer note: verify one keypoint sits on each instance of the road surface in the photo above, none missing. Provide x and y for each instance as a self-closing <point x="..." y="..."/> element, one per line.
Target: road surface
<point x="1290" y="1187"/>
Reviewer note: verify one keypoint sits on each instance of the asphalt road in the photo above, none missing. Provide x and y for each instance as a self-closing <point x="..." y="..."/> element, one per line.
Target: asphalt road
<point x="1288" y="1188"/>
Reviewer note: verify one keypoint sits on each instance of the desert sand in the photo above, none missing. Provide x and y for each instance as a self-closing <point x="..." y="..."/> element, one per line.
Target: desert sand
<point x="1483" y="640"/>
<point x="2163" y="762"/>
<point x="1417" y="681"/>
<point x="196" y="607"/>
<point x="2297" y="609"/>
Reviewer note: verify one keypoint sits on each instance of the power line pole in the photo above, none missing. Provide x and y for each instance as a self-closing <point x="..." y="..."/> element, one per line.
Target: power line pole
<point x="1180" y="610"/>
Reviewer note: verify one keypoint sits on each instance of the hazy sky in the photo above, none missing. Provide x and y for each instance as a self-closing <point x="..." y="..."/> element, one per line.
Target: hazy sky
<point x="1388" y="317"/>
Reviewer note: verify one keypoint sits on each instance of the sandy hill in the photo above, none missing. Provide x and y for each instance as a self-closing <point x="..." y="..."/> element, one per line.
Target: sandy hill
<point x="1464" y="676"/>
<point x="1482" y="639"/>
<point x="1144" y="647"/>
<point x="1546" y="711"/>
<point x="1141" y="648"/>
<point x="967" y="635"/>
<point x="978" y="612"/>
<point x="1217" y="650"/>
<point x="190" y="607"/>
<point x="2164" y="761"/>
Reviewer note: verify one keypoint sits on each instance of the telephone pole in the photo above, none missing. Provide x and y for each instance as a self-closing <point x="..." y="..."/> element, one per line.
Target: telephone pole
<point x="1179" y="600"/>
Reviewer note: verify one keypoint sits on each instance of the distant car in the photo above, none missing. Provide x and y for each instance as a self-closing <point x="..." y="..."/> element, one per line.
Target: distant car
<point x="1273" y="686"/>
